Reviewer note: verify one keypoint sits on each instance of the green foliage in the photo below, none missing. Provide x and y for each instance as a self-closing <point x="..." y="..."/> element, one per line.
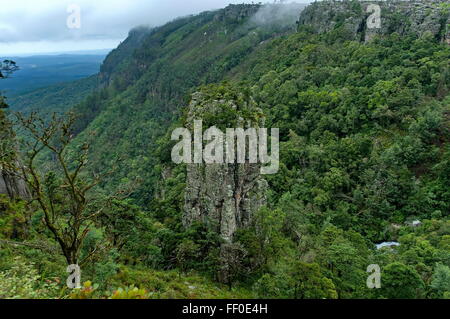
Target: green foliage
<point x="400" y="281"/>
<point x="12" y="218"/>
<point x="88" y="291"/>
<point x="130" y="293"/>
<point x="172" y="284"/>
<point x="297" y="280"/>
<point x="364" y="132"/>
<point x="441" y="279"/>
<point x="187" y="252"/>
<point x="22" y="281"/>
<point x="58" y="98"/>
<point x="238" y="108"/>
<point x="310" y="283"/>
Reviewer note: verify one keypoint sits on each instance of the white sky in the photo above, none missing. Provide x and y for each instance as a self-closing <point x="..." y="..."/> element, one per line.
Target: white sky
<point x="38" y="26"/>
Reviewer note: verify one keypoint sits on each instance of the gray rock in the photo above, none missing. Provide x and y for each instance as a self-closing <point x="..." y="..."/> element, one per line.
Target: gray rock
<point x="10" y="183"/>
<point x="424" y="17"/>
<point x="13" y="186"/>
<point x="224" y="196"/>
<point x="237" y="12"/>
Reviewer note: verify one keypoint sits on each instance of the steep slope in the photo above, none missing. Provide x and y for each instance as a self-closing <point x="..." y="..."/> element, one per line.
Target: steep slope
<point x="148" y="88"/>
<point x="364" y="124"/>
<point x="287" y="75"/>
<point x="364" y="130"/>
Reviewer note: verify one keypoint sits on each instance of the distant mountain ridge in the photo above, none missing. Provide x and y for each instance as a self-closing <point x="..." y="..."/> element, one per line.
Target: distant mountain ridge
<point x="43" y="70"/>
<point x="76" y="52"/>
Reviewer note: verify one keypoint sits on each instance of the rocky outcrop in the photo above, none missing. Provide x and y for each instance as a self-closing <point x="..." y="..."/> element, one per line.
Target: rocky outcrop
<point x="10" y="184"/>
<point x="403" y="17"/>
<point x="13" y="186"/>
<point x="236" y="12"/>
<point x="224" y="196"/>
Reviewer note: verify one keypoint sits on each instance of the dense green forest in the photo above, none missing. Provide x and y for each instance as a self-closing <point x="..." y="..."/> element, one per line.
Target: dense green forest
<point x="364" y="159"/>
<point x="54" y="98"/>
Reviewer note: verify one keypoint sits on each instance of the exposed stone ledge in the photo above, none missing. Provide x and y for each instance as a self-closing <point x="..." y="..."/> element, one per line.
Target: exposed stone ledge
<point x="403" y="17"/>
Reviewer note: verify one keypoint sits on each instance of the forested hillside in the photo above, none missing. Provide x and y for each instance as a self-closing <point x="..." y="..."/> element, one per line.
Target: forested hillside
<point x="149" y="86"/>
<point x="59" y="97"/>
<point x="364" y="159"/>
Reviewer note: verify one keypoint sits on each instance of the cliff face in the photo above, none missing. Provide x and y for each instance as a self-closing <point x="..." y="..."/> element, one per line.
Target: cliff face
<point x="224" y="196"/>
<point x="237" y="12"/>
<point x="403" y="17"/>
<point x="12" y="186"/>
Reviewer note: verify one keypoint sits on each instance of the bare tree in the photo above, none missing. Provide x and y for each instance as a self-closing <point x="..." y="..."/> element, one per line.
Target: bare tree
<point x="63" y="192"/>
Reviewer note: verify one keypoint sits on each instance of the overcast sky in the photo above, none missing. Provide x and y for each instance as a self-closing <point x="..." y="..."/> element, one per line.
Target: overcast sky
<point x="38" y="26"/>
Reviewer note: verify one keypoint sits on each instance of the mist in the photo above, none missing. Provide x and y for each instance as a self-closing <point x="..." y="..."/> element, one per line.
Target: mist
<point x="281" y="14"/>
<point x="41" y="25"/>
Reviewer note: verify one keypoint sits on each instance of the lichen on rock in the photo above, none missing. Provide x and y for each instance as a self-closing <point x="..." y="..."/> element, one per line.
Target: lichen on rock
<point x="422" y="17"/>
<point x="224" y="196"/>
<point x="10" y="182"/>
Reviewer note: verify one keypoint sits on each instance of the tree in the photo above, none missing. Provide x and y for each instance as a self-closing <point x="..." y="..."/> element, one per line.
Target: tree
<point x="187" y="252"/>
<point x="295" y="279"/>
<point x="7" y="67"/>
<point x="399" y="281"/>
<point x="3" y="104"/>
<point x="441" y="279"/>
<point x="343" y="255"/>
<point x="263" y="240"/>
<point x="120" y="220"/>
<point x="309" y="283"/>
<point x="12" y="218"/>
<point x="231" y="261"/>
<point x="63" y="193"/>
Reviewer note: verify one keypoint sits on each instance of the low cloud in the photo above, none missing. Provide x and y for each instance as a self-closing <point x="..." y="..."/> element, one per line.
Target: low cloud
<point x="282" y="14"/>
<point x="25" y="22"/>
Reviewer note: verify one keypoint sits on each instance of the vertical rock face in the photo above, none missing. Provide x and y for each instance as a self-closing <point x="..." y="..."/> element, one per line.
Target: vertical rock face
<point x="403" y="17"/>
<point x="224" y="196"/>
<point x="13" y="186"/>
<point x="10" y="184"/>
<point x="237" y="12"/>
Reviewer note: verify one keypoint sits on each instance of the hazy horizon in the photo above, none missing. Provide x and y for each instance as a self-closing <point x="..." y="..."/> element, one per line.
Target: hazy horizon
<point x="102" y="52"/>
<point x="43" y="28"/>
